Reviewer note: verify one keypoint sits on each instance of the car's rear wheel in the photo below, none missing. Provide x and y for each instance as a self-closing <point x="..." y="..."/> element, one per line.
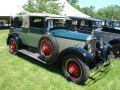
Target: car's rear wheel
<point x="74" y="69"/>
<point x="48" y="48"/>
<point x="116" y="50"/>
<point x="13" y="47"/>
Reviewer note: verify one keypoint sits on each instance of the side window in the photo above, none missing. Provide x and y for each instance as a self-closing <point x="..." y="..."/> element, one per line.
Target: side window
<point x="17" y="22"/>
<point x="117" y="24"/>
<point x="74" y="22"/>
<point x="37" y="22"/>
<point x="50" y="23"/>
<point x="85" y="24"/>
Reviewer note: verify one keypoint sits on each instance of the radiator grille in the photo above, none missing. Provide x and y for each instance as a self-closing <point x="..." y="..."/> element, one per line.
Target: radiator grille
<point x="92" y="45"/>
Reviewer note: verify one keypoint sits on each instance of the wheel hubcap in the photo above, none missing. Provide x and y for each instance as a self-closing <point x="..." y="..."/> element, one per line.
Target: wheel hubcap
<point x="116" y="51"/>
<point x="13" y="46"/>
<point x="73" y="69"/>
<point x="46" y="49"/>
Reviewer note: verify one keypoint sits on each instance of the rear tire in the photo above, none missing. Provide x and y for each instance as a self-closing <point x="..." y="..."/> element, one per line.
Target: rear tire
<point x="74" y="69"/>
<point x="48" y="48"/>
<point x="13" y="46"/>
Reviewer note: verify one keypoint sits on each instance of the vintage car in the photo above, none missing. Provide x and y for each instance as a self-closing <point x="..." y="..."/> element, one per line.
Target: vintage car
<point x="4" y="22"/>
<point x="85" y="25"/>
<point x="45" y="37"/>
<point x="110" y="33"/>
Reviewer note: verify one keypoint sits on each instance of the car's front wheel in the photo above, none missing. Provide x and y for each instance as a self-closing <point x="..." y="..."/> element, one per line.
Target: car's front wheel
<point x="13" y="47"/>
<point x="74" y="69"/>
<point x="116" y="50"/>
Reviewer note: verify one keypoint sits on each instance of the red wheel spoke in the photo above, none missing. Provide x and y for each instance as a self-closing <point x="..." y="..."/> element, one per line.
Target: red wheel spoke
<point x="73" y="69"/>
<point x="46" y="48"/>
<point x="13" y="46"/>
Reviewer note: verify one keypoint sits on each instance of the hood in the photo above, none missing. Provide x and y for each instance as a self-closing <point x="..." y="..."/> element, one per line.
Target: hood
<point x="62" y="33"/>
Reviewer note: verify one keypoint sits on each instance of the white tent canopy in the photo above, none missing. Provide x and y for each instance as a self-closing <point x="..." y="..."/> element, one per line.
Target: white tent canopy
<point x="14" y="6"/>
<point x="11" y="7"/>
<point x="69" y="10"/>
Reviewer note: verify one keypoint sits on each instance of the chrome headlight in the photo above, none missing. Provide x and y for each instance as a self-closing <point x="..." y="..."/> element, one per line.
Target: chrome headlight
<point x="91" y="43"/>
<point x="89" y="48"/>
<point x="101" y="44"/>
<point x="88" y="40"/>
<point x="91" y="39"/>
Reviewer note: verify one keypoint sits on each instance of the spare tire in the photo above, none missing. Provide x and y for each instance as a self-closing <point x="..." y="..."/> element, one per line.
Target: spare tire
<point x="48" y="48"/>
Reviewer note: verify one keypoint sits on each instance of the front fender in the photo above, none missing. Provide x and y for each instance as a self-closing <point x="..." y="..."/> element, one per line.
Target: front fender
<point x="82" y="53"/>
<point x="106" y="50"/>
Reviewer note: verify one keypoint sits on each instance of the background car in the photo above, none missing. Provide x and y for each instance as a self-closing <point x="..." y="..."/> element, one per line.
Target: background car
<point x="84" y="25"/>
<point x="110" y="33"/>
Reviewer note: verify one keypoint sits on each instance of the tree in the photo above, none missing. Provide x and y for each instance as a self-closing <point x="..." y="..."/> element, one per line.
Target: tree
<point x="30" y="6"/>
<point x="89" y="11"/>
<point x="54" y="8"/>
<point x="40" y="6"/>
<point x="111" y="12"/>
<point x="74" y="3"/>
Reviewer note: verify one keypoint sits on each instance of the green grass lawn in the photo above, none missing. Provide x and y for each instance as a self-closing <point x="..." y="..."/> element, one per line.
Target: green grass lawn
<point x="24" y="73"/>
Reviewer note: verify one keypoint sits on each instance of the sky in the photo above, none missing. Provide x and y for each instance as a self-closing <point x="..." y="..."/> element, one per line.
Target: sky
<point x="11" y="7"/>
<point x="98" y="3"/>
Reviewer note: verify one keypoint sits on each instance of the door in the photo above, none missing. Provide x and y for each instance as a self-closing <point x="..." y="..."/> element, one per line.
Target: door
<point x="36" y="30"/>
<point x="24" y="35"/>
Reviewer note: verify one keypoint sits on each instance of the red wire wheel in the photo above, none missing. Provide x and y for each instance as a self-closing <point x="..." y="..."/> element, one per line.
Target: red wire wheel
<point x="74" y="69"/>
<point x="48" y="48"/>
<point x="13" y="46"/>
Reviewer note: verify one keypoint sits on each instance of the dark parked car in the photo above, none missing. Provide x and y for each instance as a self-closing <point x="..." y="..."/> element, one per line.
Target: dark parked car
<point x="110" y="33"/>
<point x="45" y="37"/>
<point x="84" y="25"/>
<point x="4" y="22"/>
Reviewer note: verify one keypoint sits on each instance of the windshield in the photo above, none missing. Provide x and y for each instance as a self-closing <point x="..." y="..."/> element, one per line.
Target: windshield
<point x="97" y="24"/>
<point x="112" y="24"/>
<point x="56" y="23"/>
<point x="77" y="24"/>
<point x="109" y="23"/>
<point x="116" y="24"/>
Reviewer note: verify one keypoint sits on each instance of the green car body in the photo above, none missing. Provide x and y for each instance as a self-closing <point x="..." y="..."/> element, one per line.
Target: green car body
<point x="47" y="36"/>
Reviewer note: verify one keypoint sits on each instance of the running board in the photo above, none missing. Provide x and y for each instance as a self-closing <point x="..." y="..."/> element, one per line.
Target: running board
<point x="32" y="55"/>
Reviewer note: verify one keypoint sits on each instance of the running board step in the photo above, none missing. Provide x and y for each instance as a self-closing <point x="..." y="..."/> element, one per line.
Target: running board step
<point x="32" y="55"/>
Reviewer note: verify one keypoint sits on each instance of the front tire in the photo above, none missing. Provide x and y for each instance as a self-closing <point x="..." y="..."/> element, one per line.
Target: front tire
<point x="13" y="46"/>
<point x="116" y="50"/>
<point x="74" y="69"/>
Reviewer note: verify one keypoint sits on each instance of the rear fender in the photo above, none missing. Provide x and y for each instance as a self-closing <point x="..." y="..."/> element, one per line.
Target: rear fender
<point x="114" y="41"/>
<point x="15" y="36"/>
